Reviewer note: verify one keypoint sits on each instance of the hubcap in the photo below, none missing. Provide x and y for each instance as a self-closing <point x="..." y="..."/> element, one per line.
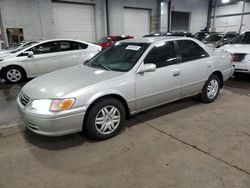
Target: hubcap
<point x="14" y="75"/>
<point x="107" y="120"/>
<point x="212" y="89"/>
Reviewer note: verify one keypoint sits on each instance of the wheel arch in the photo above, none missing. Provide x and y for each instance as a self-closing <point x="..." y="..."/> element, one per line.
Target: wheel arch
<point x="113" y="95"/>
<point x="220" y="75"/>
<point x="13" y="65"/>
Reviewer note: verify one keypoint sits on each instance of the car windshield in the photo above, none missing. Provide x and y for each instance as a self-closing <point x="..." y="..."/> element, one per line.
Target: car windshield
<point x="213" y="37"/>
<point x="23" y="46"/>
<point x="104" y="39"/>
<point x="119" y="57"/>
<point x="243" y="38"/>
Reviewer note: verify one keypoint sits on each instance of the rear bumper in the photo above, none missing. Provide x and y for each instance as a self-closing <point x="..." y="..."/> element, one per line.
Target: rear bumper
<point x="243" y="67"/>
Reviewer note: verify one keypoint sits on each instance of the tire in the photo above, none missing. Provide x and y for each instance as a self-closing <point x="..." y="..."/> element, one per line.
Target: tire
<point x="14" y="74"/>
<point x="210" y="90"/>
<point x="105" y="119"/>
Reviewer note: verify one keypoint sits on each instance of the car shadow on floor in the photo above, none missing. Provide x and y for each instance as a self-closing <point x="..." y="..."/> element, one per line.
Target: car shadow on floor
<point x="73" y="140"/>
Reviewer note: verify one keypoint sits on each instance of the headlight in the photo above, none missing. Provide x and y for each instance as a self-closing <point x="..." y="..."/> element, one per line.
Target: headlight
<point x="247" y="57"/>
<point x="53" y="105"/>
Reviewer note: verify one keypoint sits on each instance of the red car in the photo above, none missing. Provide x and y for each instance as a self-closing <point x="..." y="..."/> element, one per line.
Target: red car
<point x="109" y="40"/>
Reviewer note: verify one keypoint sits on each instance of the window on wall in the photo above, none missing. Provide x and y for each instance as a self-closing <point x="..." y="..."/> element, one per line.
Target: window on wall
<point x="180" y="21"/>
<point x="15" y="36"/>
<point x="162" y="55"/>
<point x="190" y="50"/>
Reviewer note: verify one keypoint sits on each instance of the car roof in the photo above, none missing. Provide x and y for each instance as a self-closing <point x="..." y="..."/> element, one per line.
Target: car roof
<point x="152" y="40"/>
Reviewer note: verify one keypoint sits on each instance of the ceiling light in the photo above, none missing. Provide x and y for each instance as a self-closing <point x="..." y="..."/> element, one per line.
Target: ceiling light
<point x="225" y="1"/>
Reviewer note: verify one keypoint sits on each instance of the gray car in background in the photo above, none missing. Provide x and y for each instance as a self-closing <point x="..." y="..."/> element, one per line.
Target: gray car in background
<point x="129" y="77"/>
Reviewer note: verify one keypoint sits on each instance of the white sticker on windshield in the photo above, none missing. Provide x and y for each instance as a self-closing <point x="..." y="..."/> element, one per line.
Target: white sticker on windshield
<point x="132" y="47"/>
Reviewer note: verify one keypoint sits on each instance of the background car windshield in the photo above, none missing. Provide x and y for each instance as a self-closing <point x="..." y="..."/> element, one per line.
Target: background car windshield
<point x="213" y="37"/>
<point x="243" y="38"/>
<point x="119" y="57"/>
<point x="26" y="45"/>
<point x="104" y="39"/>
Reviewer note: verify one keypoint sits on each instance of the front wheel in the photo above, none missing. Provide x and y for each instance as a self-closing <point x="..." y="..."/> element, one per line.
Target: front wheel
<point x="210" y="90"/>
<point x="14" y="74"/>
<point x="105" y="119"/>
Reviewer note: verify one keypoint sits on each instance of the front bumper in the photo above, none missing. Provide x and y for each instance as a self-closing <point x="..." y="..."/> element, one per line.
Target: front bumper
<point x="52" y="125"/>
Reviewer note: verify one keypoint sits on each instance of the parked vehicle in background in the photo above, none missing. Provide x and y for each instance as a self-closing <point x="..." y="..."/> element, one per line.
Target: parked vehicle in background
<point x="227" y="38"/>
<point x="45" y="56"/>
<point x="180" y="34"/>
<point x="201" y="35"/>
<point x="127" y="78"/>
<point x="16" y="47"/>
<point x="213" y="40"/>
<point x="160" y="34"/>
<point x="240" y="50"/>
<point x="109" y="40"/>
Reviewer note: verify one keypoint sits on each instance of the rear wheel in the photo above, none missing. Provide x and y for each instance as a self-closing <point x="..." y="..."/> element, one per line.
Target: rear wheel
<point x="105" y="119"/>
<point x="210" y="90"/>
<point x="14" y="74"/>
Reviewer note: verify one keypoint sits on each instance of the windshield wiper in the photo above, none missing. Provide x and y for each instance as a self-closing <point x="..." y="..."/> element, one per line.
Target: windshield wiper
<point x="104" y="66"/>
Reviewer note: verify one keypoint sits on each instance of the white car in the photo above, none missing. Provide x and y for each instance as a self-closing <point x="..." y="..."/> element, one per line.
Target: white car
<point x="20" y="46"/>
<point x="240" y="50"/>
<point x="44" y="57"/>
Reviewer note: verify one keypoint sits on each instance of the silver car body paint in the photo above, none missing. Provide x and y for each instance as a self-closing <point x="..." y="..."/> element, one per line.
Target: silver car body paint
<point x="140" y="91"/>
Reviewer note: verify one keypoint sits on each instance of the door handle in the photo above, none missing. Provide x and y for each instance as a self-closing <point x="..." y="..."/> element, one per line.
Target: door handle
<point x="176" y="72"/>
<point x="209" y="64"/>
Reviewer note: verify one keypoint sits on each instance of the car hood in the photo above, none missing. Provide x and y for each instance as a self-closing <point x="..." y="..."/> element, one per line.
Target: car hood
<point x="237" y="48"/>
<point x="5" y="54"/>
<point x="65" y="81"/>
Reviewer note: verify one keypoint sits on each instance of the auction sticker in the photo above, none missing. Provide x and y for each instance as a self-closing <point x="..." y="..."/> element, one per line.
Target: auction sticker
<point x="132" y="47"/>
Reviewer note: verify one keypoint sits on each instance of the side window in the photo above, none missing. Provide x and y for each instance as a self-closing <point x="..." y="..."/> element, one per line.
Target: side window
<point x="64" y="46"/>
<point x="79" y="45"/>
<point x="162" y="55"/>
<point x="70" y="45"/>
<point x="190" y="50"/>
<point x="48" y="47"/>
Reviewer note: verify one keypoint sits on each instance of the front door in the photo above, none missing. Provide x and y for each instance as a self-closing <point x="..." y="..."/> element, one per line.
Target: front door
<point x="44" y="59"/>
<point x="162" y="85"/>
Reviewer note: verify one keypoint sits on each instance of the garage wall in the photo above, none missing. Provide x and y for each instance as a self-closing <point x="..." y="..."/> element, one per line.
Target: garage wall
<point x="198" y="10"/>
<point x="116" y="10"/>
<point x="36" y="17"/>
<point x="228" y="17"/>
<point x="25" y="14"/>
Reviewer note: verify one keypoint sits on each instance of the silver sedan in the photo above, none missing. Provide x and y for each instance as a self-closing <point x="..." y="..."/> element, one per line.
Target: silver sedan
<point x="129" y="77"/>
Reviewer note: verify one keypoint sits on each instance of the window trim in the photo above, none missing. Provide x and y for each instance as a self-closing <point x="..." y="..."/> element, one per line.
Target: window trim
<point x="179" y="51"/>
<point x="176" y="53"/>
<point x="57" y="47"/>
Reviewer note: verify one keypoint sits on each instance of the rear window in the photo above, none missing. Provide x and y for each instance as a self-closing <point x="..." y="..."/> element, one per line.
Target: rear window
<point x="190" y="50"/>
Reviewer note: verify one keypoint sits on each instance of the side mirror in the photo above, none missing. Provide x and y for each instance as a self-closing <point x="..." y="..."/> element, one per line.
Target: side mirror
<point x="147" y="68"/>
<point x="30" y="54"/>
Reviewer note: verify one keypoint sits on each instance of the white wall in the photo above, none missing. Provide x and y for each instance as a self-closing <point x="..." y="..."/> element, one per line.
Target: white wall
<point x="36" y="18"/>
<point x="198" y="9"/>
<point x="116" y="13"/>
<point x="228" y="17"/>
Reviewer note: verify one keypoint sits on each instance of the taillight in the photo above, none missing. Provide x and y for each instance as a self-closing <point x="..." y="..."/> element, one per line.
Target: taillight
<point x="232" y="58"/>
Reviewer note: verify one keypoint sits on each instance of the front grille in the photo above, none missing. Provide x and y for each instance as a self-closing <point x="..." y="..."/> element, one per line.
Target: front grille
<point x="238" y="57"/>
<point x="24" y="99"/>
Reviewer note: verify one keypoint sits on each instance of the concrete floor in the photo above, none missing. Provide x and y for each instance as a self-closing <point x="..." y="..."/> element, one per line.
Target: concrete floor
<point x="183" y="144"/>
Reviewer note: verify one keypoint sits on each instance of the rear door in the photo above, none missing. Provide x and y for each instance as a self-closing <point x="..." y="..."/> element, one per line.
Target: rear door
<point x="72" y="53"/>
<point x="162" y="85"/>
<point x="195" y="64"/>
